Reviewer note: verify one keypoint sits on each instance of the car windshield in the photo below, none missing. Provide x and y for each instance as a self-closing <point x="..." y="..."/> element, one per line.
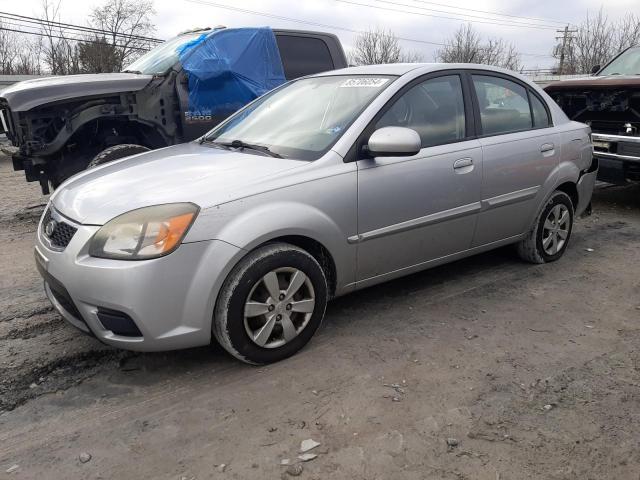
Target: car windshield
<point x="628" y="63"/>
<point x="163" y="57"/>
<point x="303" y="119"/>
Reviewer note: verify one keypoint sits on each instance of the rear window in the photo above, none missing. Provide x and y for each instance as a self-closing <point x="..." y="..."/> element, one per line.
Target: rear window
<point x="303" y="55"/>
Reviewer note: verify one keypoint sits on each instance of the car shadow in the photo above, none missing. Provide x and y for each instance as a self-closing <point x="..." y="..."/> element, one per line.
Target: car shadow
<point x="149" y="368"/>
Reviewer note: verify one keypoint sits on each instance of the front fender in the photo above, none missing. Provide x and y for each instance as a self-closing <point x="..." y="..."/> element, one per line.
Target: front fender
<point x="248" y="228"/>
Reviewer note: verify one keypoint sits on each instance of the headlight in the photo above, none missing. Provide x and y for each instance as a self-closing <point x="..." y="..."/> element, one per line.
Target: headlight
<point x="148" y="232"/>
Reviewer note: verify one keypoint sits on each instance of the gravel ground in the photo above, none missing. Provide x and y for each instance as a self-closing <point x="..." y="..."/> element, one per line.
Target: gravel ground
<point x="487" y="368"/>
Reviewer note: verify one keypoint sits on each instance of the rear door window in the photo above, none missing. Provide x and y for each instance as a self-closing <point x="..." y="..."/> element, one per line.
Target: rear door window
<point x="504" y="105"/>
<point x="303" y="55"/>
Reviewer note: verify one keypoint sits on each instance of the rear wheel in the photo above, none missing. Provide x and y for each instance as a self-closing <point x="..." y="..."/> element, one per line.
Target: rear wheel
<point x="271" y="304"/>
<point x="549" y="236"/>
<point x="115" y="153"/>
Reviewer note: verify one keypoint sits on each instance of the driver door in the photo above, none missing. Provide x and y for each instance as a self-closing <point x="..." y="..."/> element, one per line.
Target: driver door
<point x="413" y="210"/>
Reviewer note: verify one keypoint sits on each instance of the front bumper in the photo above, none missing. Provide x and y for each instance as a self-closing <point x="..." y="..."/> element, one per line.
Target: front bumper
<point x="619" y="157"/>
<point x="169" y="299"/>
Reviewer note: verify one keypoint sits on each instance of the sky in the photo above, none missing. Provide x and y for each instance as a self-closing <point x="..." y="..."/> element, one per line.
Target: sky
<point x="345" y="17"/>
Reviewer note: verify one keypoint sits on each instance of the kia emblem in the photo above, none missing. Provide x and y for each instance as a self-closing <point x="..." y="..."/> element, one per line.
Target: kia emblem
<point x="50" y="227"/>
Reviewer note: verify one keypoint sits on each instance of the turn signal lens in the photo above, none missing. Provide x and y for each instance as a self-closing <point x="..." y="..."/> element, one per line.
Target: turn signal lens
<point x="145" y="233"/>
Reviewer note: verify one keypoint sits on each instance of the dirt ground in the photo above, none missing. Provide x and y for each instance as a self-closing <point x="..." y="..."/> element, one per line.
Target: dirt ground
<point x="526" y="371"/>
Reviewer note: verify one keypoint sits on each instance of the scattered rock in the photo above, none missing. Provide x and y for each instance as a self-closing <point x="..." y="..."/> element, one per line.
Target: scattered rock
<point x="285" y="461"/>
<point x="84" y="457"/>
<point x="307" y="445"/>
<point x="452" y="442"/>
<point x="295" y="470"/>
<point x="395" y="399"/>
<point x="547" y="407"/>
<point x="12" y="468"/>
<point x="315" y="392"/>
<point x="306" y="457"/>
<point x="222" y="467"/>
<point x="589" y="250"/>
<point x="272" y="429"/>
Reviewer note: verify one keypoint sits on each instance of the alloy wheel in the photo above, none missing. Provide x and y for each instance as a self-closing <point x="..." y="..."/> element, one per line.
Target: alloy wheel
<point x="279" y="307"/>
<point x="556" y="229"/>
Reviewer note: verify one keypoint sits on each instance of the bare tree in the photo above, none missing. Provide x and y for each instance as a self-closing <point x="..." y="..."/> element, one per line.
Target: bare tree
<point x="59" y="54"/>
<point x="380" y="46"/>
<point x="466" y="46"/>
<point x="7" y="51"/>
<point x="598" y="39"/>
<point x="127" y="22"/>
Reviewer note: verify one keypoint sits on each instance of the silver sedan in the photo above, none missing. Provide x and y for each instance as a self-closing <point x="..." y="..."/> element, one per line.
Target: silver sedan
<point x="326" y="185"/>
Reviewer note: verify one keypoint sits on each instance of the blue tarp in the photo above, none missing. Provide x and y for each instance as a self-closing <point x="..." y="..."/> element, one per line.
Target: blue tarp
<point x="230" y="68"/>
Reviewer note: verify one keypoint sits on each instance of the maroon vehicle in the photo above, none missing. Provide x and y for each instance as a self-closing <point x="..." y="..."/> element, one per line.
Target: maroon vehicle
<point x="609" y="102"/>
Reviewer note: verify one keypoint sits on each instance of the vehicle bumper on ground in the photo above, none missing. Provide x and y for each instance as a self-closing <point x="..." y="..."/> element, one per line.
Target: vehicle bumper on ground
<point x="586" y="183"/>
<point x="619" y="157"/>
<point x="151" y="305"/>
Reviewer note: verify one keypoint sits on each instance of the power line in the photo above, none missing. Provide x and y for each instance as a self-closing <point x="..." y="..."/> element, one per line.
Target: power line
<point x="70" y="26"/>
<point x="422" y="14"/>
<point x="40" y="34"/>
<point x="492" y="13"/>
<point x="324" y="25"/>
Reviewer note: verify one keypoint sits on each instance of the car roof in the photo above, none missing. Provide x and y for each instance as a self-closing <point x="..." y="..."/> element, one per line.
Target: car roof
<point x="400" y="69"/>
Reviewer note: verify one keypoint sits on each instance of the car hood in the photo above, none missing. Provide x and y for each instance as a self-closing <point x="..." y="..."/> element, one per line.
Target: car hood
<point x="26" y="95"/>
<point x="596" y="82"/>
<point x="204" y="175"/>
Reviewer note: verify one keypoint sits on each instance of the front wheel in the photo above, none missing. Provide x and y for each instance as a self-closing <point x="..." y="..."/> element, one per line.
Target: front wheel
<point x="549" y="236"/>
<point x="116" y="152"/>
<point x="271" y="304"/>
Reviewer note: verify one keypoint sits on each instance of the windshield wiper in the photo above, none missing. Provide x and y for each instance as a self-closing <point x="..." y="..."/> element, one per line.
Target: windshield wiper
<point x="240" y="145"/>
<point x="137" y="72"/>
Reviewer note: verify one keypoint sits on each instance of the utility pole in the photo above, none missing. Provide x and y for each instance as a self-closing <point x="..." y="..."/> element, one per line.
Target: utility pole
<point x="567" y="36"/>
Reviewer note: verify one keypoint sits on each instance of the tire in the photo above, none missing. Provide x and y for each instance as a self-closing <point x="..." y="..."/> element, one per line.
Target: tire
<point x="115" y="153"/>
<point x="238" y="334"/>
<point x="538" y="245"/>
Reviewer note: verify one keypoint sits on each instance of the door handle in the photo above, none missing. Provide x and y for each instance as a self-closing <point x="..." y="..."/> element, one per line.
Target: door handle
<point x="547" y="147"/>
<point x="462" y="163"/>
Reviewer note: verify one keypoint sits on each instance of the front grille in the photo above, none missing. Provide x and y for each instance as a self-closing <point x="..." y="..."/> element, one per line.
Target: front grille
<point x="58" y="232"/>
<point x="629" y="148"/>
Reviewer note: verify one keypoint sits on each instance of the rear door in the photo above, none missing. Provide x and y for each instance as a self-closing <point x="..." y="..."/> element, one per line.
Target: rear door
<point x="520" y="151"/>
<point x="415" y="209"/>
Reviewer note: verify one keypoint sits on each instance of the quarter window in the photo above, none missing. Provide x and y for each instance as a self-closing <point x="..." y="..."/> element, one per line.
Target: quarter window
<point x="433" y="108"/>
<point x="540" y="114"/>
<point x="504" y="105"/>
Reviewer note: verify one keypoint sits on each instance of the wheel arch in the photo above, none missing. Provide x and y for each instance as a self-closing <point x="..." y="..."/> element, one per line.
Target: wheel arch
<point x="251" y="226"/>
<point x="317" y="250"/>
<point x="571" y="189"/>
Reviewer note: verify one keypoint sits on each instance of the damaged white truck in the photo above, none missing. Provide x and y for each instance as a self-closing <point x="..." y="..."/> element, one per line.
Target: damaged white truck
<point x="609" y="102"/>
<point x="60" y="126"/>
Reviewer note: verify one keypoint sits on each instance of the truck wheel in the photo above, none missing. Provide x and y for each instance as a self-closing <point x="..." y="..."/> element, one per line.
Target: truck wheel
<point x="271" y="304"/>
<point x="548" y="238"/>
<point x="115" y="153"/>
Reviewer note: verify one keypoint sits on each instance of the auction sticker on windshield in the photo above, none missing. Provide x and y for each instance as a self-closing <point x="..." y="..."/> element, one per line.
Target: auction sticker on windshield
<point x="364" y="82"/>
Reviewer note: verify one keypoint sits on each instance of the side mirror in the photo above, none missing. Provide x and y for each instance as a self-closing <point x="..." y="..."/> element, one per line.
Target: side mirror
<point x="595" y="69"/>
<point x="394" y="142"/>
